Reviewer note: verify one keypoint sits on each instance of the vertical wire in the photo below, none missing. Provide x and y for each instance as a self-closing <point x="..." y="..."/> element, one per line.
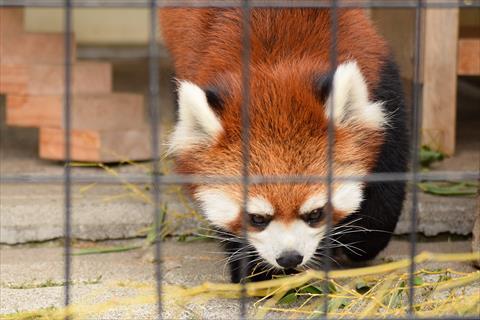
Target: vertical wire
<point x="330" y="150"/>
<point x="416" y="123"/>
<point x="154" y="113"/>
<point x="245" y="144"/>
<point x="67" y="127"/>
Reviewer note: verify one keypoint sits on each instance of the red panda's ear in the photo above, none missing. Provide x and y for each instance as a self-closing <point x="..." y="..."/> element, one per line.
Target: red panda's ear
<point x="349" y="98"/>
<point x="197" y="123"/>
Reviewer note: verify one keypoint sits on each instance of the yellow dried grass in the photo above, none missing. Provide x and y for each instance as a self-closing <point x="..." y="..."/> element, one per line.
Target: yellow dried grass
<point x="451" y="293"/>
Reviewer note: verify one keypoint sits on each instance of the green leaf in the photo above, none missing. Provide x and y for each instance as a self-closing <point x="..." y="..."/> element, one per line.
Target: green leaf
<point x="288" y="298"/>
<point x="449" y="188"/>
<point x="418" y="281"/>
<point x="105" y="250"/>
<point x="311" y="289"/>
<point x="429" y="156"/>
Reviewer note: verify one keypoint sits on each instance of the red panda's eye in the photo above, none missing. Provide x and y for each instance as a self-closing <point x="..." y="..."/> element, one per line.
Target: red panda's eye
<point x="259" y="221"/>
<point x="314" y="216"/>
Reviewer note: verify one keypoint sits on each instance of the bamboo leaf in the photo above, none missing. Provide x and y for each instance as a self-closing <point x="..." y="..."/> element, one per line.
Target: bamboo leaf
<point x="418" y="281"/>
<point x="289" y="298"/>
<point x="449" y="188"/>
<point x="311" y="289"/>
<point x="429" y="156"/>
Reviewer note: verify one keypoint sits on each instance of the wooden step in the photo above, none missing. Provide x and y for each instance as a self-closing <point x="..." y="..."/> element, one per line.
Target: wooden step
<point x="469" y="57"/>
<point x="13" y="78"/>
<point x="33" y="48"/>
<point x="96" y="145"/>
<point x="23" y="79"/>
<point x="111" y="111"/>
<point x="19" y="47"/>
<point x="11" y="21"/>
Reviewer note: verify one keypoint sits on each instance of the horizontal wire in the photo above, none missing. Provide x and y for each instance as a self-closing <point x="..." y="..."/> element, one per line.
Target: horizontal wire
<point x="202" y="179"/>
<point x="235" y="3"/>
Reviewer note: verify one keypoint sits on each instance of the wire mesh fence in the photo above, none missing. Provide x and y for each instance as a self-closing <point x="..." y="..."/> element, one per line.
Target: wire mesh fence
<point x="157" y="179"/>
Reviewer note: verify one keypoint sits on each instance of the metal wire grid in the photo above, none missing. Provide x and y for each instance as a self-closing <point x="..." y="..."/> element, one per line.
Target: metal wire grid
<point x="67" y="120"/>
<point x="245" y="118"/>
<point x="154" y="108"/>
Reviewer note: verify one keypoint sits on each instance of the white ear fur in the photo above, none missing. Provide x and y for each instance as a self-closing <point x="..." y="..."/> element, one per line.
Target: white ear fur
<point x="197" y="124"/>
<point x="219" y="208"/>
<point x="350" y="99"/>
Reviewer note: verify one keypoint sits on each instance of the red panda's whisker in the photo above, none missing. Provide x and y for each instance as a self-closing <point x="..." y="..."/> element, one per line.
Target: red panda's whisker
<point x="347" y="224"/>
<point x="355" y="231"/>
<point x="220" y="233"/>
<point x="226" y="261"/>
<point x="349" y="247"/>
<point x="252" y="274"/>
<point x="220" y="238"/>
<point x="239" y="253"/>
<point x="341" y="244"/>
<point x="240" y="257"/>
<point x="244" y="257"/>
<point x="318" y="255"/>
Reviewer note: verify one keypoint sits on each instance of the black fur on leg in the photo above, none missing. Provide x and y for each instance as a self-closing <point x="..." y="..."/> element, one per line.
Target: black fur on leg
<point x="383" y="201"/>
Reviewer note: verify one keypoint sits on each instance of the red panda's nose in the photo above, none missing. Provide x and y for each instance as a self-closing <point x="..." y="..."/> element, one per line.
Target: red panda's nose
<point x="289" y="259"/>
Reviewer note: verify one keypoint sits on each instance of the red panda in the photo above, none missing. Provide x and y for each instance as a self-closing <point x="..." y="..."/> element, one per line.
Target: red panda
<point x="291" y="90"/>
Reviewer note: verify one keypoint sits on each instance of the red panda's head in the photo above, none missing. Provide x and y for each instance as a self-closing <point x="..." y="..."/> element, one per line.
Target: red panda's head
<point x="289" y="112"/>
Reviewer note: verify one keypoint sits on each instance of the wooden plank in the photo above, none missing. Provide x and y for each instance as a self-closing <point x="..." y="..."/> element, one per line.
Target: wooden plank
<point x="440" y="79"/>
<point x="11" y="21"/>
<point x="85" y="145"/>
<point x="87" y="77"/>
<point x="33" y="111"/>
<point x="19" y="47"/>
<point x="13" y="78"/>
<point x="96" y="146"/>
<point x="96" y="112"/>
<point x="469" y="57"/>
<point x="33" y="48"/>
<point x="397" y="26"/>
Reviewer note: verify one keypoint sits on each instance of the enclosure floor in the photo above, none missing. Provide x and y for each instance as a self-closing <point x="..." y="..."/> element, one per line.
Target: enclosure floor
<point x="103" y="277"/>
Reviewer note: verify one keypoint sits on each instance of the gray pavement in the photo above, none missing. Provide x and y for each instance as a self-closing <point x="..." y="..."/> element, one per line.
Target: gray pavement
<point x="100" y="212"/>
<point x="101" y="278"/>
<point x="31" y="277"/>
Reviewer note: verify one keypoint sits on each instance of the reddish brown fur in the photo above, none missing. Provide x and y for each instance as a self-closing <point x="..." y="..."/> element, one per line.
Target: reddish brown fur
<point x="288" y="134"/>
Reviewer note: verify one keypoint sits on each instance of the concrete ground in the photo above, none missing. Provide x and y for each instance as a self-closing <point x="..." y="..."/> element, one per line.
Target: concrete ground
<point x="32" y="277"/>
<point x="100" y="212"/>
